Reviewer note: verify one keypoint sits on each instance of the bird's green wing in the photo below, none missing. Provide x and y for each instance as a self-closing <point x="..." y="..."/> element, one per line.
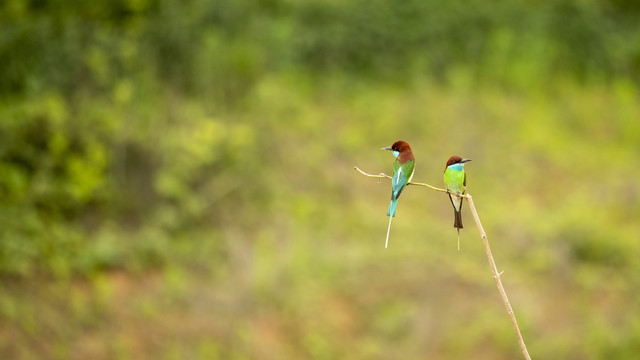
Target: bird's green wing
<point x="401" y="175"/>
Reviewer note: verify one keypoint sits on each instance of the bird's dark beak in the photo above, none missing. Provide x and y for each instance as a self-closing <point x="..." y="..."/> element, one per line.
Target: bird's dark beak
<point x="386" y="148"/>
<point x="465" y="160"/>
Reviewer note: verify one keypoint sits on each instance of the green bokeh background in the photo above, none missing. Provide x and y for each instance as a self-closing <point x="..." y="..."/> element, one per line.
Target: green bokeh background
<point x="176" y="178"/>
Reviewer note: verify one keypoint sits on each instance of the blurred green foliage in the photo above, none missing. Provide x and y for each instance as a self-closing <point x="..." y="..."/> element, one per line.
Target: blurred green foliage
<point x="222" y="48"/>
<point x="176" y="178"/>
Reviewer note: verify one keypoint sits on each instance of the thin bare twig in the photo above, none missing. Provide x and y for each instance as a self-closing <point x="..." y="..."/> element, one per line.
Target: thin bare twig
<point x="383" y="175"/>
<point x="496" y="276"/>
<point x="487" y="249"/>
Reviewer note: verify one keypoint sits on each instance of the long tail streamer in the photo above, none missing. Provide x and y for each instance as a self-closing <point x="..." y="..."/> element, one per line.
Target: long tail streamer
<point x="389" y="228"/>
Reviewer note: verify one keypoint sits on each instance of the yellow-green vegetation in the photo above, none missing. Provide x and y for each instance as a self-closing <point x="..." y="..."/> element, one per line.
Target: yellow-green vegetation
<point x="176" y="179"/>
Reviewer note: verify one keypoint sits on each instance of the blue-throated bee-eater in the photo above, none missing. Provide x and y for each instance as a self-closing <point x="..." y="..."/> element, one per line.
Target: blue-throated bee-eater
<point x="455" y="181"/>
<point x="402" y="173"/>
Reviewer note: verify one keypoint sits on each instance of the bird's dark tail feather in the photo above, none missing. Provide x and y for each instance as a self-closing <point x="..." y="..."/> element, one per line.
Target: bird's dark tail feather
<point x="458" y="220"/>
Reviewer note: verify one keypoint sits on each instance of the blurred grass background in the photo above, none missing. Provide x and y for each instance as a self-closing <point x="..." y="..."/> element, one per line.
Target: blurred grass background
<point x="176" y="178"/>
